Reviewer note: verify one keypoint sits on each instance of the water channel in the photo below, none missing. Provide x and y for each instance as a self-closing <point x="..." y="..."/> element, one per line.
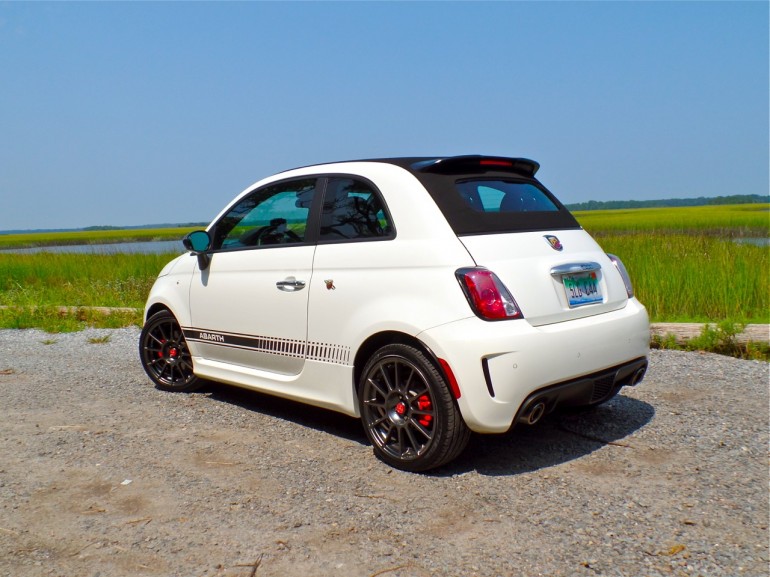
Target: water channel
<point x="148" y="247"/>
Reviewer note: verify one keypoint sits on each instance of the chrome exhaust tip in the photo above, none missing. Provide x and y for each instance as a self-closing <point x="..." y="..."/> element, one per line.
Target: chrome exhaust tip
<point x="534" y="414"/>
<point x="638" y="376"/>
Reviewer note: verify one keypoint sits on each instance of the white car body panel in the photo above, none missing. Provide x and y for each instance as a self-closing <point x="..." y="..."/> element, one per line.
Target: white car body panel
<point x="238" y="294"/>
<point x="320" y="384"/>
<point x="523" y="262"/>
<point x="523" y="358"/>
<point x="302" y="345"/>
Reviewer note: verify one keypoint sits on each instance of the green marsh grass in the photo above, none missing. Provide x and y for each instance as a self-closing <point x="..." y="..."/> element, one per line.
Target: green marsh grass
<point x="685" y="278"/>
<point x="38" y="239"/>
<point x="78" y="280"/>
<point x="684" y="263"/>
<point x="34" y="287"/>
<point x="54" y="320"/>
<point x="726" y="221"/>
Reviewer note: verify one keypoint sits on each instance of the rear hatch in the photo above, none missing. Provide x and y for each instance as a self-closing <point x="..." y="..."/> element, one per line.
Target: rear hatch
<point x="512" y="225"/>
<point x="551" y="285"/>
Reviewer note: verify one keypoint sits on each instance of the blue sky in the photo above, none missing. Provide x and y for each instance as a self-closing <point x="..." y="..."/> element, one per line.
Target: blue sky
<point x="140" y="113"/>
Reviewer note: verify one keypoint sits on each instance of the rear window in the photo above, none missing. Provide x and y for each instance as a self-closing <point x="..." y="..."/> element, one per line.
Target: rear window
<point x="489" y="203"/>
<point x="503" y="196"/>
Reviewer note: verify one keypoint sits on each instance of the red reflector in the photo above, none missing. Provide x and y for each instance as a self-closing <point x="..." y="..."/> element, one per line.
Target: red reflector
<point x="453" y="386"/>
<point x="495" y="163"/>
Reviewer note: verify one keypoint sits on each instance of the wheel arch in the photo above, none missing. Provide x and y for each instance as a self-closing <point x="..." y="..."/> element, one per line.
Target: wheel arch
<point x="156" y="308"/>
<point x="379" y="340"/>
<point x="176" y="308"/>
<point x="448" y="436"/>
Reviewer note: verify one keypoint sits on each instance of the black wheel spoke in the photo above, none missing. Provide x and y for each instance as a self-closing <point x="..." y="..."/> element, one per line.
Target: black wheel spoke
<point x="400" y="443"/>
<point x="413" y="424"/>
<point x="389" y="429"/>
<point x="385" y="378"/>
<point x="377" y="422"/>
<point x="159" y="341"/>
<point x="413" y="394"/>
<point x="396" y="379"/>
<point x="376" y="403"/>
<point x="185" y="363"/>
<point x="408" y="382"/>
<point x="375" y="384"/>
<point x="415" y="445"/>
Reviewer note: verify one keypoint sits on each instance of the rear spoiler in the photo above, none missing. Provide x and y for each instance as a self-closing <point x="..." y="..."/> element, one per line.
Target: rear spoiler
<point x="477" y="163"/>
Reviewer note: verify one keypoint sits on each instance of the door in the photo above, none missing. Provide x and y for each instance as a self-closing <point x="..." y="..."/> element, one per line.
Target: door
<point x="249" y="307"/>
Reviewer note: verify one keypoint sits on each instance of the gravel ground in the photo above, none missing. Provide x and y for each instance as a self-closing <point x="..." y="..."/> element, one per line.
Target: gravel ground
<point x="103" y="475"/>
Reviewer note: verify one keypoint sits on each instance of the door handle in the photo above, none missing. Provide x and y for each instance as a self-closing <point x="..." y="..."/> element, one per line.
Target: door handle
<point x="290" y="285"/>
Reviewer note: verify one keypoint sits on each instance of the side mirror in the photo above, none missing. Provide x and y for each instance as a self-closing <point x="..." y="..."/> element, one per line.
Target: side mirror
<point x="198" y="242"/>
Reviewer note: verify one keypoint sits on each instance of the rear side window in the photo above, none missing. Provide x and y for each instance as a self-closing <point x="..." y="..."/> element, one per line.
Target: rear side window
<point x="353" y="210"/>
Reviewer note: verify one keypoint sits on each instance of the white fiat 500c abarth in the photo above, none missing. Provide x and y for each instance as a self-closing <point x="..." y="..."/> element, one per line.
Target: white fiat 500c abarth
<point x="430" y="297"/>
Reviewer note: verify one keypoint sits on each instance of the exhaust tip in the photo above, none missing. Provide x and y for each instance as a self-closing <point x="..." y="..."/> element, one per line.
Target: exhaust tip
<point x="534" y="414"/>
<point x="638" y="376"/>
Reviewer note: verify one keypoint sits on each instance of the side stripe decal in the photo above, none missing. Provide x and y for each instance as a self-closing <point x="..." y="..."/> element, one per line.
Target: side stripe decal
<point x="314" y="351"/>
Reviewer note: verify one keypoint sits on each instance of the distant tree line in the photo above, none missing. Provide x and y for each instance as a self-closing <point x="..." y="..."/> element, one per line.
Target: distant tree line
<point x="178" y="225"/>
<point x="670" y="202"/>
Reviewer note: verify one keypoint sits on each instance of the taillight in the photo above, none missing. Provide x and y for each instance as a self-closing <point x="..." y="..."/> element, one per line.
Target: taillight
<point x="487" y="295"/>
<point x="623" y="274"/>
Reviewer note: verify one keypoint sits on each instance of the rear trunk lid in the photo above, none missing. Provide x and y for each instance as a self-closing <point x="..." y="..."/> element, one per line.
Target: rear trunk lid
<point x="548" y="284"/>
<point x="515" y="227"/>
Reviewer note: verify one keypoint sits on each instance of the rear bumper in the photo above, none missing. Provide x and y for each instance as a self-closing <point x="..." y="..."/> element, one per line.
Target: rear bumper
<point x="582" y="392"/>
<point x="503" y="368"/>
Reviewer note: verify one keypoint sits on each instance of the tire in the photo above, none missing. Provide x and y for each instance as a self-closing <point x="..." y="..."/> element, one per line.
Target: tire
<point x="407" y="410"/>
<point x="165" y="356"/>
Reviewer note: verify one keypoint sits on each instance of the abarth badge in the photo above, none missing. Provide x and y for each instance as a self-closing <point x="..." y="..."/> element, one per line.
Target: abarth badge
<point x="330" y="285"/>
<point x="554" y="242"/>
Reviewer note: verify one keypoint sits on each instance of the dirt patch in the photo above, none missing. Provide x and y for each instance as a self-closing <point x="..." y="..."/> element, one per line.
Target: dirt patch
<point x="103" y="475"/>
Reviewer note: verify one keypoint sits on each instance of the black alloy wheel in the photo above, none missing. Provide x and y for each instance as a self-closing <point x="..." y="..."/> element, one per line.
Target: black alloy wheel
<point x="407" y="410"/>
<point x="165" y="356"/>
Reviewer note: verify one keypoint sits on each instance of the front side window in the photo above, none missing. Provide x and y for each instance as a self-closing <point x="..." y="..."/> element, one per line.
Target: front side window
<point x="273" y="215"/>
<point x="352" y="209"/>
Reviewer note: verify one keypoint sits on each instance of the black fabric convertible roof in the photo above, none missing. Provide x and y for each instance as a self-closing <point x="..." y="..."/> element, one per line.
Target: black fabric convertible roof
<point x="440" y="176"/>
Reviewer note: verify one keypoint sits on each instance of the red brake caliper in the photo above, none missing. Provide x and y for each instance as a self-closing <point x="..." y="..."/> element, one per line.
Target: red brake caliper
<point x="160" y="352"/>
<point x="424" y="404"/>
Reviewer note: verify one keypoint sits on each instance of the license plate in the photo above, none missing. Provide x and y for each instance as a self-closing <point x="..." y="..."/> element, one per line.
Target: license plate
<point x="582" y="288"/>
